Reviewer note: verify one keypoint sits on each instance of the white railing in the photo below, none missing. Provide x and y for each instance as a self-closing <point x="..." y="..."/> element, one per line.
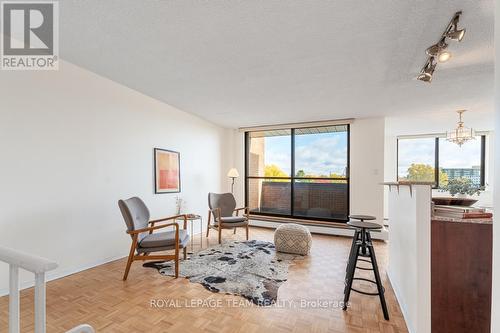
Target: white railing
<point x="38" y="266"/>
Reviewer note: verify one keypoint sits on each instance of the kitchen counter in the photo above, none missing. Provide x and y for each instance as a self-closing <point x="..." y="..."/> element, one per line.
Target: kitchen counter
<point x="455" y="220"/>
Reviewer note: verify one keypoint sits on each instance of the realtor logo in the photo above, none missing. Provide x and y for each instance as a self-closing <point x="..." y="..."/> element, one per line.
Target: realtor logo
<point x="29" y="35"/>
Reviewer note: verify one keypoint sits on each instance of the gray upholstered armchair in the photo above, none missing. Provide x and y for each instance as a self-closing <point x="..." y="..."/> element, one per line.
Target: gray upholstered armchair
<point x="144" y="241"/>
<point x="222" y="208"/>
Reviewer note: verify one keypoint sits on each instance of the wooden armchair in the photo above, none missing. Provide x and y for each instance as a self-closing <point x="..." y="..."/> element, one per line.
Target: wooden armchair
<point x="144" y="241"/>
<point x="222" y="208"/>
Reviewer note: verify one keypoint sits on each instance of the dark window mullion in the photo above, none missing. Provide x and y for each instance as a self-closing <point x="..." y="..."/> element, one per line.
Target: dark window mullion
<point x="483" y="162"/>
<point x="264" y="177"/>
<point x="292" y="168"/>
<point x="247" y="179"/>
<point x="298" y="178"/>
<point x="436" y="163"/>
<point x="321" y="178"/>
<point x="348" y="172"/>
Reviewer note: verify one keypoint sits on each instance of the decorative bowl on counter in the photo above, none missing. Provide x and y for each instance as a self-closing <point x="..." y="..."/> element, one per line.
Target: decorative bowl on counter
<point x="451" y="201"/>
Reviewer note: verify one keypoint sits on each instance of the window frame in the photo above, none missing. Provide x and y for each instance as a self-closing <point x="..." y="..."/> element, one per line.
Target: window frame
<point x="293" y="178"/>
<point x="436" y="185"/>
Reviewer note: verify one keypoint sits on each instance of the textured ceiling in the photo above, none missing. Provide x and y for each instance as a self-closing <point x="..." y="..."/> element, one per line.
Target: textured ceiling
<point x="244" y="63"/>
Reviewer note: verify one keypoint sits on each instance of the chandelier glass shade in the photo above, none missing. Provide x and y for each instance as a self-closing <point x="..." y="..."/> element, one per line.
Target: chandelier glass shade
<point x="460" y="134"/>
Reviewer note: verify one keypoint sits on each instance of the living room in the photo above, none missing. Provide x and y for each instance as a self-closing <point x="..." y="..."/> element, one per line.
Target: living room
<point x="328" y="125"/>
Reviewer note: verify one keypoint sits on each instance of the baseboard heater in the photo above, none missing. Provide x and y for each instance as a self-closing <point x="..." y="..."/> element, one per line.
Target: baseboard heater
<point x="316" y="227"/>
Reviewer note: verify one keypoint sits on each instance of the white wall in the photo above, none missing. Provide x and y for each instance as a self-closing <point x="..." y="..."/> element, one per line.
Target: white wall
<point x="410" y="254"/>
<point x="71" y="144"/>
<point x="367" y="166"/>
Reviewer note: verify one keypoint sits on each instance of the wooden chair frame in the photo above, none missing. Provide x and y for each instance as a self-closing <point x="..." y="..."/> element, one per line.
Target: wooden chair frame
<point x="216" y="212"/>
<point x="146" y="256"/>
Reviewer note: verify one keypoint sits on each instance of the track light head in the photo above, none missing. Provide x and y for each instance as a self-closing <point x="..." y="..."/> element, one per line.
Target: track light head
<point x="437" y="48"/>
<point x="428" y="70"/>
<point x="444" y="56"/>
<point x="456" y="35"/>
<point x="433" y="50"/>
<point x="453" y="32"/>
<point x="439" y="51"/>
<point x="425" y="77"/>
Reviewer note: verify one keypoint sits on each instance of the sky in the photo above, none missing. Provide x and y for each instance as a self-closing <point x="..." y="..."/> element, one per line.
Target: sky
<point x="450" y="154"/>
<point x="319" y="154"/>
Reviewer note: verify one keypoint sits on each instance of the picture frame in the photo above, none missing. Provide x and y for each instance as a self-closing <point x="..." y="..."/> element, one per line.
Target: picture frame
<point x="167" y="171"/>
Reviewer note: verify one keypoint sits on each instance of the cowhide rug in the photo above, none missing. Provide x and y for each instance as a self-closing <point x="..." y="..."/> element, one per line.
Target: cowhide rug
<point x="252" y="269"/>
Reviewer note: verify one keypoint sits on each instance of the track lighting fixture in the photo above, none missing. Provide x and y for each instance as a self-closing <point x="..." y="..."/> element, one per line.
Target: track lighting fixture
<point x="427" y="71"/>
<point x="438" y="51"/>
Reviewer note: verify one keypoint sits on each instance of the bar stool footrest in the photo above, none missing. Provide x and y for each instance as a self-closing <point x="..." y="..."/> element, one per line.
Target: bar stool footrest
<point x="364" y="292"/>
<point x="365" y="260"/>
<point x="365" y="269"/>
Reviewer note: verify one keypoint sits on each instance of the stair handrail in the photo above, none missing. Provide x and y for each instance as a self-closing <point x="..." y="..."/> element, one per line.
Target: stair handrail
<point x="38" y="266"/>
<point x="26" y="261"/>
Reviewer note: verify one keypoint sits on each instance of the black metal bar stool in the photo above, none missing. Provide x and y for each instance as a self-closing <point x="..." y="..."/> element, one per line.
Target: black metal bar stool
<point x="362" y="247"/>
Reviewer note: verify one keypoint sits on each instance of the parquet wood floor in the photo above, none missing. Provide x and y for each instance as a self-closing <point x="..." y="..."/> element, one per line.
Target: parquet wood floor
<point x="99" y="297"/>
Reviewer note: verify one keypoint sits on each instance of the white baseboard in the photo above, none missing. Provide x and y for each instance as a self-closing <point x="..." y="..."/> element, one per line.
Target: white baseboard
<point x="333" y="230"/>
<point x="402" y="306"/>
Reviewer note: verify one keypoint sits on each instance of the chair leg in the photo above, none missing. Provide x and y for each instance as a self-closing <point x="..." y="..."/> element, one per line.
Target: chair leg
<point x="176" y="262"/>
<point x="127" y="268"/>
<point x="234" y="231"/>
<point x="208" y="222"/>
<point x="185" y="253"/>
<point x="220" y="232"/>
<point x="247" y="231"/>
<point x="130" y="257"/>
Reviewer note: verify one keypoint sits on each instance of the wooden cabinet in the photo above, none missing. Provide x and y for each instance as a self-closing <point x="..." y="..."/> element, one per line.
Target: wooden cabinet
<point x="461" y="269"/>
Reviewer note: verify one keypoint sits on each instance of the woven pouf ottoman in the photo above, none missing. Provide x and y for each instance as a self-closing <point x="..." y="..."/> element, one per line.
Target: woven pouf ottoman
<point x="292" y="238"/>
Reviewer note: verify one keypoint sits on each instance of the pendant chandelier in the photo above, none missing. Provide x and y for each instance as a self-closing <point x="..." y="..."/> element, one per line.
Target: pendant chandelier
<point x="461" y="134"/>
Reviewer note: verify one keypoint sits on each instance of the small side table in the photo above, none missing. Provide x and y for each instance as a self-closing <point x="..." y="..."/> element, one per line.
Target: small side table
<point x="191" y="218"/>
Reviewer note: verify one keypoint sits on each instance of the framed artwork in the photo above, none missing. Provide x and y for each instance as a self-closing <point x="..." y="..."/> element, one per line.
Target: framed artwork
<point x="167" y="171"/>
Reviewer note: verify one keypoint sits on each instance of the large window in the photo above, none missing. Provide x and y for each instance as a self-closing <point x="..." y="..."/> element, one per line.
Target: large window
<point x="302" y="172"/>
<point x="434" y="159"/>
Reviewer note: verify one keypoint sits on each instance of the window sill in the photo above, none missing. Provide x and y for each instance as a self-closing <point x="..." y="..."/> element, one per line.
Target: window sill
<point x="298" y="221"/>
